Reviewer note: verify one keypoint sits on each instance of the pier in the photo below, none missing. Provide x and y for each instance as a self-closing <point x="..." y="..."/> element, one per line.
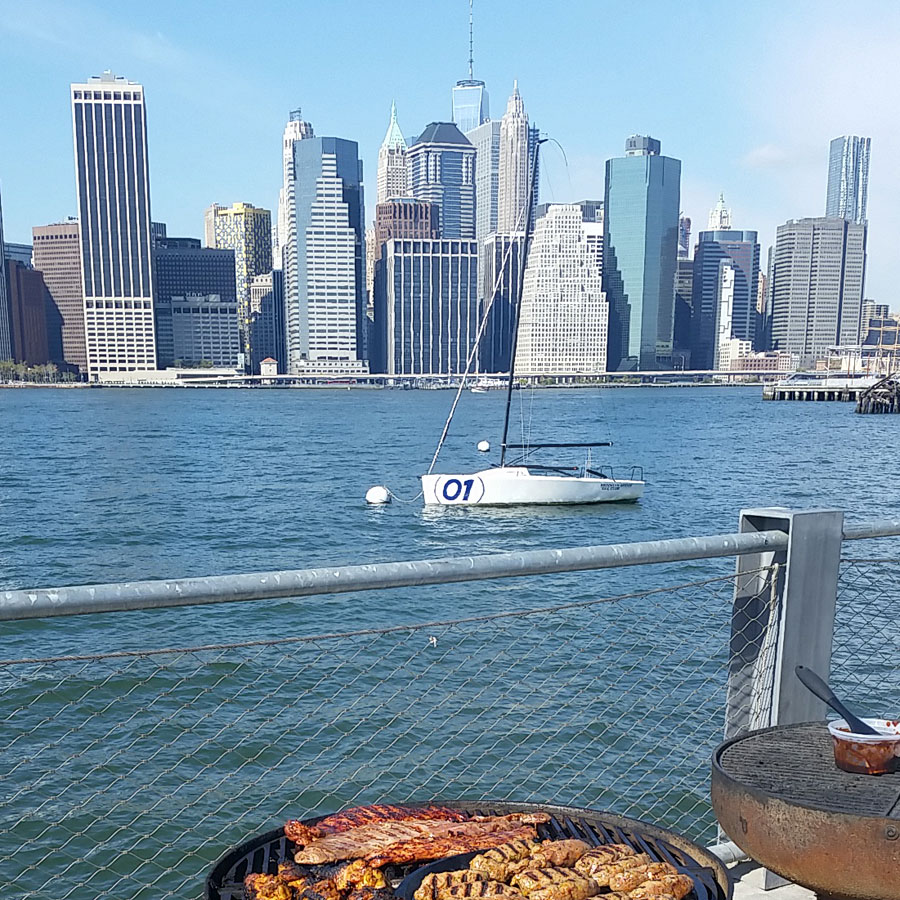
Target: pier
<point x="824" y="387"/>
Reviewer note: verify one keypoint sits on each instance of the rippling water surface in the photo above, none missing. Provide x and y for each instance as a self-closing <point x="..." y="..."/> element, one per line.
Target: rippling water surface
<point x="111" y="485"/>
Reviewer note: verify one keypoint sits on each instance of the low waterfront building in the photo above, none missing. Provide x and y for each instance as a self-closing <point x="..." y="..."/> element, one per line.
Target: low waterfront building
<point x="426" y="307"/>
<point x="205" y="330"/>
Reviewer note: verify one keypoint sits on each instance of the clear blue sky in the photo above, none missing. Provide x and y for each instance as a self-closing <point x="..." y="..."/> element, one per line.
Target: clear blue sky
<point x="746" y="95"/>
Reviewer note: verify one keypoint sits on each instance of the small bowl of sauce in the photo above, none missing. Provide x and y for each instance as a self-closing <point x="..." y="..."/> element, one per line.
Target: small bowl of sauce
<point x="867" y="754"/>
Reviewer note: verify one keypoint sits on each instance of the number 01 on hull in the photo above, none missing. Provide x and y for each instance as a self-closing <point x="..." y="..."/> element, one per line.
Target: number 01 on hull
<point x="516" y="486"/>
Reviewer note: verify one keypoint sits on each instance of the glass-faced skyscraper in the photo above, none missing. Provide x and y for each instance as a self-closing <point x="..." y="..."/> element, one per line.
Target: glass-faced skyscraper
<point x="640" y="246"/>
<point x="848" y="178"/>
<point x="470" y="104"/>
<point x="113" y="186"/>
<point x="326" y="316"/>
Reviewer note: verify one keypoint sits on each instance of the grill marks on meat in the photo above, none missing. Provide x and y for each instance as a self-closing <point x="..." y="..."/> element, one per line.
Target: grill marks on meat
<point x="603" y="855"/>
<point x="460" y="842"/>
<point x="555" y="884"/>
<point x="558" y="854"/>
<point x="662" y="887"/>
<point x="474" y="890"/>
<point x="382" y="842"/>
<point x="603" y="874"/>
<point x="299" y="833"/>
<point x="631" y="878"/>
<point x="435" y="882"/>
<point x="503" y="861"/>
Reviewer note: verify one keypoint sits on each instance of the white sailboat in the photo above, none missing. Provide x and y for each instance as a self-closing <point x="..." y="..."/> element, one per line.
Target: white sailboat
<point x="521" y="482"/>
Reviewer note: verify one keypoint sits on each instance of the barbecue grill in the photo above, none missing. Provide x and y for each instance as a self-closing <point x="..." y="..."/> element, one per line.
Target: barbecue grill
<point x="711" y="879"/>
<point x="779" y="796"/>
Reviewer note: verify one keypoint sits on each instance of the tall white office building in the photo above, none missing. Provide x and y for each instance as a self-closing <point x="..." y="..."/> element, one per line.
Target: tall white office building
<point x="564" y="320"/>
<point x="392" y="177"/>
<point x="326" y="316"/>
<point x="486" y="141"/>
<point x="816" y="286"/>
<point x="512" y="198"/>
<point x="282" y="238"/>
<point x="113" y="187"/>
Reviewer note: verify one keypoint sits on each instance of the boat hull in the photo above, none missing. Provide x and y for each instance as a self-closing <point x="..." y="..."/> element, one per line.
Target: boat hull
<point x="516" y="486"/>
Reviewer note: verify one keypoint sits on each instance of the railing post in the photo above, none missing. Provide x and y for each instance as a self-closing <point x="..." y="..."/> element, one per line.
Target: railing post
<point x="768" y="639"/>
<point x="767" y="643"/>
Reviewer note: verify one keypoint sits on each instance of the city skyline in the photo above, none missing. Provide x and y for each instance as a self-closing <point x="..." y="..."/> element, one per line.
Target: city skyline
<point x="770" y="158"/>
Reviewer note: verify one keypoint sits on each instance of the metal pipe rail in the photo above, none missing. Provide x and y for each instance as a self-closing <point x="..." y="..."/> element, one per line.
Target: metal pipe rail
<point x="79" y="600"/>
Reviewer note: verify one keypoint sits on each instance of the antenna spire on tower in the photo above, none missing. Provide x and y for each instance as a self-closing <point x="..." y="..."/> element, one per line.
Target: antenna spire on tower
<point x="471" y="54"/>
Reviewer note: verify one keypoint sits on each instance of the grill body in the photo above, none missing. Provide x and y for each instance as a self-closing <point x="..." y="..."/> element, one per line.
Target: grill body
<point x="779" y="796"/>
<point x="711" y="879"/>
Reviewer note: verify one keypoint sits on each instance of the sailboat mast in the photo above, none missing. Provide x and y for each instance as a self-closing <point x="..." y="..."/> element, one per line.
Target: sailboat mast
<point x="529" y="215"/>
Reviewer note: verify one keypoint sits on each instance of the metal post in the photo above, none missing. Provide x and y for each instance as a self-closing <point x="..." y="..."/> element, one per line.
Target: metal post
<point x="769" y="639"/>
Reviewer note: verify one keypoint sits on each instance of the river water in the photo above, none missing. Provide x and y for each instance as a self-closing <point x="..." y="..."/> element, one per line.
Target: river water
<point x="113" y="484"/>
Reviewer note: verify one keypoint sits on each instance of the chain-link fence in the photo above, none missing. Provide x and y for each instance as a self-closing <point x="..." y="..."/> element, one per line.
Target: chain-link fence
<point x="128" y="774"/>
<point x="865" y="664"/>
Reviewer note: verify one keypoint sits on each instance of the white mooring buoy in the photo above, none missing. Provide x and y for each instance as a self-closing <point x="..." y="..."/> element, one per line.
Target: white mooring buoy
<point x="484" y="446"/>
<point x="378" y="495"/>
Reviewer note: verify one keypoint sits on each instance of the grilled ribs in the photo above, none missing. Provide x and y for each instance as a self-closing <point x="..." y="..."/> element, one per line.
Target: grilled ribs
<point x="296" y="831"/>
<point x="425" y="848"/>
<point x="381" y="842"/>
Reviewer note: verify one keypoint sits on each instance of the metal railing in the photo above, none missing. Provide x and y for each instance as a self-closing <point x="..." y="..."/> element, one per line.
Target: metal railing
<point x="129" y="773"/>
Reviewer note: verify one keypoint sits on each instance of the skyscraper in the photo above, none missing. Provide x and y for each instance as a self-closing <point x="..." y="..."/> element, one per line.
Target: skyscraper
<point x="514" y="170"/>
<point x="247" y="230"/>
<point x="326" y="314"/>
<point x="816" y="285"/>
<point x="684" y="237"/>
<point x="393" y="175"/>
<point x="113" y="187"/>
<point x="684" y="304"/>
<point x="848" y="178"/>
<point x="719" y="216"/>
<point x="5" y="328"/>
<point x="639" y="251"/>
<point x="283" y="235"/>
<point x="426" y="306"/>
<point x="471" y="106"/>
<point x="564" y="318"/>
<point x="27" y="314"/>
<point x="57" y="254"/>
<point x="267" y="320"/>
<point x="442" y="170"/>
<point x="183" y="268"/>
<point x="486" y="141"/>
<point x="740" y="249"/>
<point x="501" y="255"/>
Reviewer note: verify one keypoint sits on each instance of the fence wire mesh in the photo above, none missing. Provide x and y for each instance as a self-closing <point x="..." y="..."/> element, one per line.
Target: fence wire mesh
<point x="864" y="662"/>
<point x="128" y="774"/>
